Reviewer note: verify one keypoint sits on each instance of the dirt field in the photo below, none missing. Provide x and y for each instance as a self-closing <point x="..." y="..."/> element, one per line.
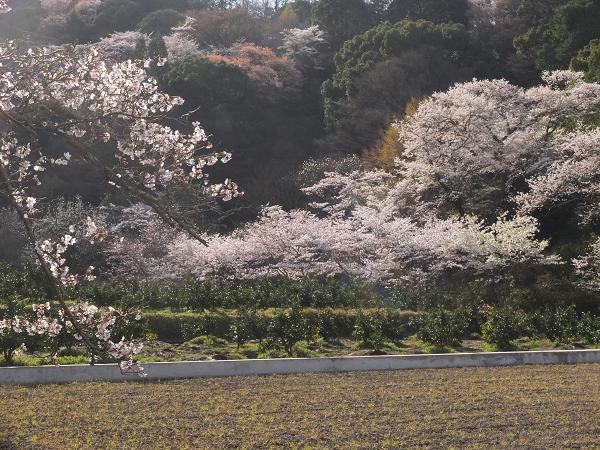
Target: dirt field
<point x="541" y="407"/>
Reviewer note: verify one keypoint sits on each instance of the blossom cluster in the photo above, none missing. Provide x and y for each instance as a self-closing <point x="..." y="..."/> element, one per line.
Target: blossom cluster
<point x="118" y="104"/>
<point x="367" y="243"/>
<point x="84" y="322"/>
<point x="121" y="45"/>
<point x="180" y="43"/>
<point x="156" y="154"/>
<point x="303" y="44"/>
<point x="587" y="267"/>
<point x="53" y="251"/>
<point x="475" y="142"/>
<point x="572" y="176"/>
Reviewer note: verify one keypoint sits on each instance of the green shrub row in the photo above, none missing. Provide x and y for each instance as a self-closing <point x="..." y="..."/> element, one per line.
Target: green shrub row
<point x="500" y="327"/>
<point x="27" y="282"/>
<point x="249" y="324"/>
<point x="370" y="328"/>
<point x="562" y="325"/>
<point x="198" y="295"/>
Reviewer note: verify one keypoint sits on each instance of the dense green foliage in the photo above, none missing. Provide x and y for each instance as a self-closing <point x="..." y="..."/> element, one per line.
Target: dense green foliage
<point x="437" y="11"/>
<point x="503" y="326"/>
<point x="557" y="33"/>
<point x="368" y="330"/>
<point x="381" y="70"/>
<point x="160" y="21"/>
<point x="588" y="60"/>
<point x="388" y="40"/>
<point x="205" y="295"/>
<point x="441" y="328"/>
<point x="285" y="326"/>
<point x="372" y="328"/>
<point x="341" y="19"/>
<point x="211" y="84"/>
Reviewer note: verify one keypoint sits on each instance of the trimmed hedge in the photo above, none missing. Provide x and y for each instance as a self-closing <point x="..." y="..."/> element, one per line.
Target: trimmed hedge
<point x="330" y="323"/>
<point x="279" y="292"/>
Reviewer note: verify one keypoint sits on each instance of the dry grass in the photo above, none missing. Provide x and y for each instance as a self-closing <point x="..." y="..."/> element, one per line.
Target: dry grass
<point x="541" y="407"/>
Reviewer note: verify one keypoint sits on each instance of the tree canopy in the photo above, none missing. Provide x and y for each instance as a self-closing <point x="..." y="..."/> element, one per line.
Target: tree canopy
<point x="557" y="34"/>
<point x="437" y="11"/>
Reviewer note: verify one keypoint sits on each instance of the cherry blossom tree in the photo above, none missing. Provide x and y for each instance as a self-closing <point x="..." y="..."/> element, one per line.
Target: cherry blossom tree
<point x="179" y="46"/>
<point x="477" y="161"/>
<point x="572" y="177"/>
<point x="181" y="43"/>
<point x="427" y="245"/>
<point x="304" y="44"/>
<point x="296" y="244"/>
<point x="120" y="46"/>
<point x="145" y="239"/>
<point x="468" y="149"/>
<point x="367" y="243"/>
<point x="587" y="267"/>
<point x="302" y="41"/>
<point x="97" y="325"/>
<point x="70" y="94"/>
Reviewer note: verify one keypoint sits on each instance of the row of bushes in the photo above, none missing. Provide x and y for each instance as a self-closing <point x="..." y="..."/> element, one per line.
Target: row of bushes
<point x="371" y="328"/>
<point x="279" y="292"/>
<point x="198" y="295"/>
<point x="252" y="324"/>
<point x="281" y="329"/>
<point x="500" y="327"/>
<point x="28" y="282"/>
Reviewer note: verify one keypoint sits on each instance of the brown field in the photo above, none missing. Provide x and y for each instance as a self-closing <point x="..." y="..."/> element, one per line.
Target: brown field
<point x="542" y="407"/>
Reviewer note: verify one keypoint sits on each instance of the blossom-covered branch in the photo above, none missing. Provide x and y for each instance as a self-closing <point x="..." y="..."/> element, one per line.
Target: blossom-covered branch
<point x="71" y="93"/>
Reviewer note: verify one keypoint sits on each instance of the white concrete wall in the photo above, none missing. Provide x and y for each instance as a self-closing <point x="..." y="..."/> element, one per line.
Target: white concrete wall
<point x="199" y="369"/>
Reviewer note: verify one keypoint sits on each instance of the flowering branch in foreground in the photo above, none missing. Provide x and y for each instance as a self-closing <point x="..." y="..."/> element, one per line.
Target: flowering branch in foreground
<point x="98" y="326"/>
<point x="72" y="94"/>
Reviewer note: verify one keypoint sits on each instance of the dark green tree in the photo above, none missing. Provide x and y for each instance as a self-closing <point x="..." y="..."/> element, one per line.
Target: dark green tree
<point x="341" y="19"/>
<point x="206" y="82"/>
<point x="379" y="71"/>
<point x="436" y="11"/>
<point x="156" y="47"/>
<point x="160" y="21"/>
<point x="557" y="34"/>
<point x="588" y="61"/>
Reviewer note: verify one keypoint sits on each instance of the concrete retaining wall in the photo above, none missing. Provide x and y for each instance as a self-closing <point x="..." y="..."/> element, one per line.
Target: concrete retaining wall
<point x="199" y="369"/>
